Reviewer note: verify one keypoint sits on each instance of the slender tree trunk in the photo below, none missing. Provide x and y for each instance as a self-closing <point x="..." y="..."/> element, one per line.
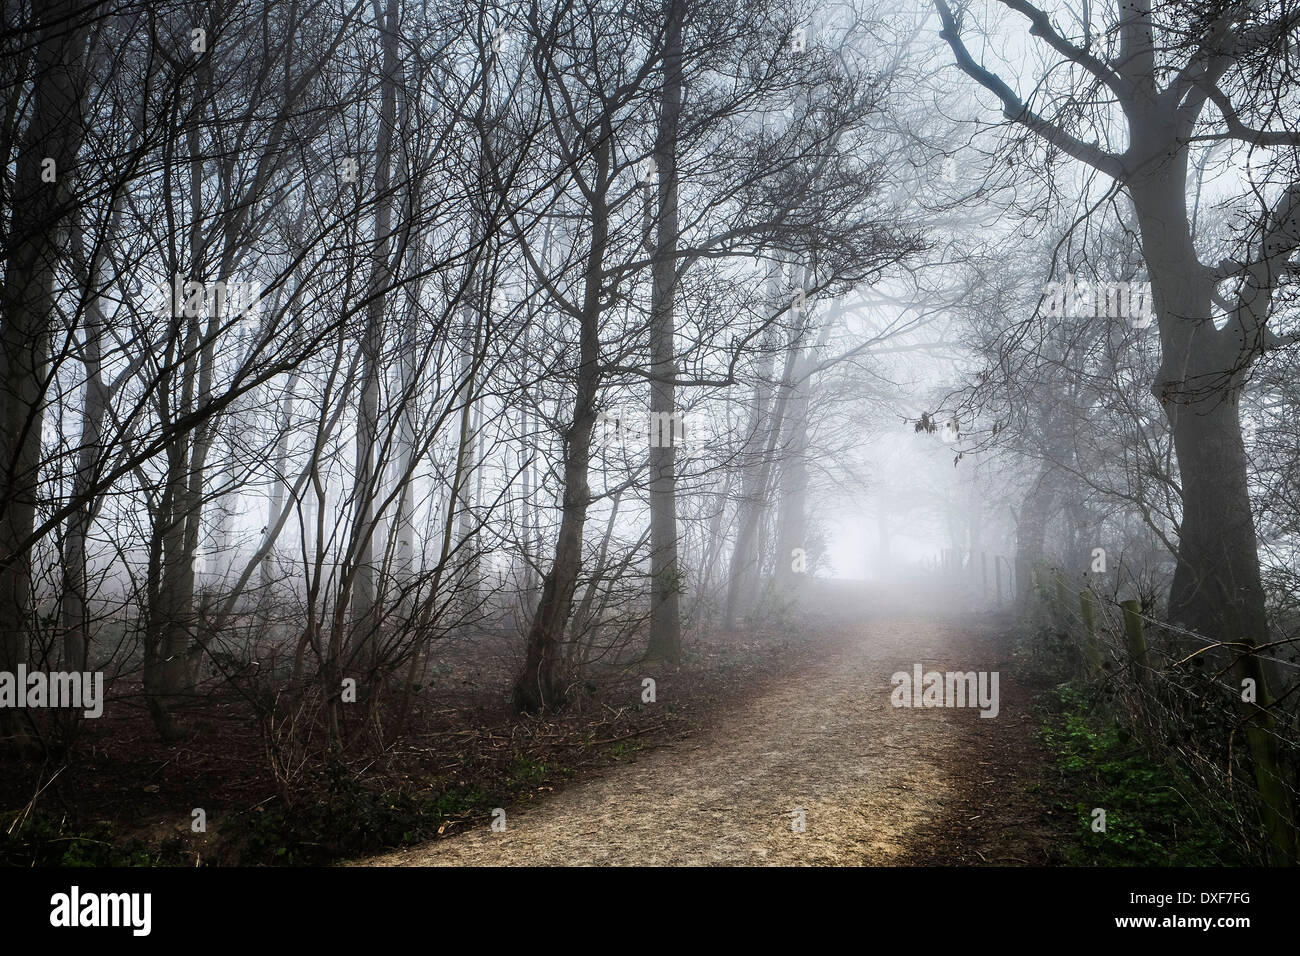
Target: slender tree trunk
<point x="714" y="539"/>
<point x="72" y="605"/>
<point x="665" y="574"/>
<point x="582" y="618"/>
<point x="467" y="459"/>
<point x="278" y="506"/>
<point x="540" y="685"/>
<point x="527" y="508"/>
<point x="172" y="626"/>
<point x="405" y="520"/>
<point x="365" y="487"/>
<point x="792" y="525"/>
<point x="1031" y="528"/>
<point x="743" y="570"/>
<point x="37" y="234"/>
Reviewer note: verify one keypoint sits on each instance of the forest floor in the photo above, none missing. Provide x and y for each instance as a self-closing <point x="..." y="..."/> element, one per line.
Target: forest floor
<point x="876" y="784"/>
<point x="790" y="713"/>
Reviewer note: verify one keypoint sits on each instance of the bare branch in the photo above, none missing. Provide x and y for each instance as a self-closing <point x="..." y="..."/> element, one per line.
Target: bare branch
<point x="1018" y="112"/>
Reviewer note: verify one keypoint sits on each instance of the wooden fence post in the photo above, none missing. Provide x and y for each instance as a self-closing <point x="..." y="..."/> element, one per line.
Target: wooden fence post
<point x="1135" y="638"/>
<point x="1062" y="602"/>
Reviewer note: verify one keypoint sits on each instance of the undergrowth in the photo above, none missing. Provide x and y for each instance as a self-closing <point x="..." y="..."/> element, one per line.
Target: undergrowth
<point x="1154" y="815"/>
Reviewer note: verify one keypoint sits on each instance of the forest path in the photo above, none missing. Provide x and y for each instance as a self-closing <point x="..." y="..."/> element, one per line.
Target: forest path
<point x="878" y="785"/>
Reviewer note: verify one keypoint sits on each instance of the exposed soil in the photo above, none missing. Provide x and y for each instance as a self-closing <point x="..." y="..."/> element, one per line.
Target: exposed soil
<point x="877" y="785"/>
<point x="791" y="714"/>
<point x="461" y="738"/>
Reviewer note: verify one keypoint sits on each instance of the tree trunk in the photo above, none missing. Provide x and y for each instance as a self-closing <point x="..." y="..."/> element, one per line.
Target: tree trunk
<point x="37" y="234"/>
<point x="1031" y="527"/>
<point x="72" y="603"/>
<point x="665" y="575"/>
<point x="583" y="618"/>
<point x="743" y="571"/>
<point x="1216" y="591"/>
<point x="540" y="686"/>
<point x="408" y="376"/>
<point x="792" y="525"/>
<point x="792" y="515"/>
<point x="278" y="506"/>
<point x="467" y="461"/>
<point x="172" y="625"/>
<point x="366" y="481"/>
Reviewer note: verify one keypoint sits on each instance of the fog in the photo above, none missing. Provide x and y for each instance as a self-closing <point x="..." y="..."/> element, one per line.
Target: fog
<point x="398" y="372"/>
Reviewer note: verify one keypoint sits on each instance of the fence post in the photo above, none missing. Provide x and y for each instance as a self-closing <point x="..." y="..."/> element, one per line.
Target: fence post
<point x="1135" y="638"/>
<point x="1062" y="601"/>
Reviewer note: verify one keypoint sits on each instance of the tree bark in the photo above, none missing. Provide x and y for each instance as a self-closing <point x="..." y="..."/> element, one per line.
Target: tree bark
<point x="540" y="685"/>
<point x="366" y="480"/>
<point x="1217" y="590"/>
<point x="1031" y="527"/>
<point x="743" y="570"/>
<point x="95" y="398"/>
<point x="37" y="234"/>
<point x="665" y="575"/>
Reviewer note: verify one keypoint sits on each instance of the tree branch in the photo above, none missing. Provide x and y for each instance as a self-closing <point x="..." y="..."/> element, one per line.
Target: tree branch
<point x="1016" y="111"/>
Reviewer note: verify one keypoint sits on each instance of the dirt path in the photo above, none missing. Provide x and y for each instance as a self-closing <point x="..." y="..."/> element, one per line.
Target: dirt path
<point x="878" y="785"/>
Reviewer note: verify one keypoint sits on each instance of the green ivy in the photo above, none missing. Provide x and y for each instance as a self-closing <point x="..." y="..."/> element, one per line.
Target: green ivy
<point x="352" y="822"/>
<point x="1148" y="821"/>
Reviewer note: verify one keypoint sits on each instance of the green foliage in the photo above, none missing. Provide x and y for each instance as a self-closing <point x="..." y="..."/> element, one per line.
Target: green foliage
<point x="625" y="748"/>
<point x="1152" y="815"/>
<point x="352" y="822"/>
<point x="526" y="771"/>
<point x="43" y="839"/>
